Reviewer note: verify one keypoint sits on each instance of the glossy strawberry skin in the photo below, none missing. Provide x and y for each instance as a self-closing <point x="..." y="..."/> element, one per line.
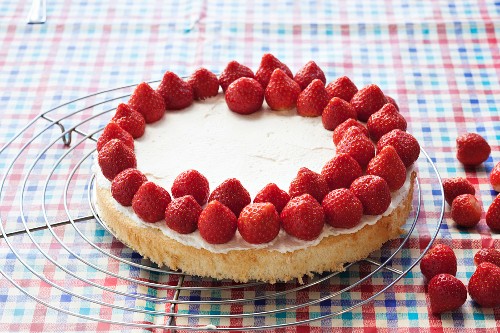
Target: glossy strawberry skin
<point x="130" y="120"/>
<point x="232" y="194"/>
<point x="268" y="64"/>
<point x="176" y="92"/>
<point x="342" y="208"/>
<point x="466" y="210"/>
<point x="438" y="260"/>
<point x="388" y="165"/>
<point x="147" y="102"/>
<point x="340" y="130"/>
<point x="233" y="71"/>
<point x="373" y="192"/>
<point x="495" y="177"/>
<point x="493" y="215"/>
<point x="405" y="144"/>
<point x="342" y="88"/>
<point x="491" y="255"/>
<point x="484" y="285"/>
<point x="312" y="100"/>
<point x="367" y="101"/>
<point x="385" y="120"/>
<point x="341" y="171"/>
<point x="191" y="182"/>
<point x="392" y="101"/>
<point x="446" y="293"/>
<point x="308" y="73"/>
<point x="181" y="214"/>
<point x="114" y="131"/>
<point x="259" y="223"/>
<point x="308" y="181"/>
<point x="356" y="145"/>
<point x="453" y="187"/>
<point x="273" y="194"/>
<point x="244" y="96"/>
<point x="204" y="84"/>
<point x="472" y="149"/>
<point x="150" y="202"/>
<point x="281" y="92"/>
<point x="336" y="112"/>
<point x="125" y="185"/>
<point x="217" y="223"/>
<point x="303" y="217"/>
<point x="115" y="157"/>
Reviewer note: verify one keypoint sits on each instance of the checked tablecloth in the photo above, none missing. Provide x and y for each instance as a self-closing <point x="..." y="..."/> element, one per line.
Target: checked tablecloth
<point x="439" y="59"/>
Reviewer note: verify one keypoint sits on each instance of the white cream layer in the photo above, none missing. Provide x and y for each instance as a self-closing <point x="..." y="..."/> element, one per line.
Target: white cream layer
<point x="257" y="149"/>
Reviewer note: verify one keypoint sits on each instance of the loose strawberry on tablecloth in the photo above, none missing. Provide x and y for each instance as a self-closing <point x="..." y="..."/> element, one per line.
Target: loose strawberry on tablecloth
<point x="114" y="157"/>
<point x="191" y="182"/>
<point x="308" y="73"/>
<point x="182" y="214"/>
<point x="472" y="149"/>
<point x="336" y="112"/>
<point x="491" y="255"/>
<point x="342" y="208"/>
<point x="244" y="96"/>
<point x="281" y="92"/>
<point x="439" y="259"/>
<point x="453" y="187"/>
<point x="339" y="132"/>
<point x="466" y="210"/>
<point x="259" y="223"/>
<point x="484" y="285"/>
<point x="446" y="293"/>
<point x="493" y="215"/>
<point x="342" y="88"/>
<point x="495" y="177"/>
<point x="232" y="194"/>
<point x="267" y="66"/>
<point x="217" y="223"/>
<point x="150" y="202"/>
<point x="367" y="101"/>
<point x="233" y="71"/>
<point x="176" y="92"/>
<point x="203" y="83"/>
<point x="303" y="217"/>
<point x="273" y="194"/>
<point x="114" y="131"/>
<point x="147" y="102"/>
<point x="130" y="120"/>
<point x="341" y="171"/>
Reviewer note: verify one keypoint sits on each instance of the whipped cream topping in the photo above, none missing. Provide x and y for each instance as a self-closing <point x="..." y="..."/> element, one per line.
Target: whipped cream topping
<point x="264" y="147"/>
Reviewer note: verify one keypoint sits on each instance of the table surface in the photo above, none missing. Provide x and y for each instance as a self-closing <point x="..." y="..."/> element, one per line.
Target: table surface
<point x="439" y="59"/>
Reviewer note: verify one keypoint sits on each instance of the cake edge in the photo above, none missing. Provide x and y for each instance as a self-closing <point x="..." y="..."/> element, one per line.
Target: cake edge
<point x="260" y="264"/>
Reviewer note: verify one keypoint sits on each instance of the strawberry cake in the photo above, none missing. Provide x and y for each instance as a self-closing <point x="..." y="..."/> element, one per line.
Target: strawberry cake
<point x="264" y="176"/>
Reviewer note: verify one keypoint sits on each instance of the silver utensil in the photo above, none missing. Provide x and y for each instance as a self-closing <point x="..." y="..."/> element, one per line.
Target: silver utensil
<point x="37" y="13"/>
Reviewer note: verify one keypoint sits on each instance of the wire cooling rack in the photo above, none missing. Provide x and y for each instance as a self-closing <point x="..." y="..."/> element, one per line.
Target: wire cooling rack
<point x="63" y="257"/>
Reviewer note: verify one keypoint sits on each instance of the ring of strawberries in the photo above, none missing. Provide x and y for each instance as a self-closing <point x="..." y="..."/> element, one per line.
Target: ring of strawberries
<point x="371" y="160"/>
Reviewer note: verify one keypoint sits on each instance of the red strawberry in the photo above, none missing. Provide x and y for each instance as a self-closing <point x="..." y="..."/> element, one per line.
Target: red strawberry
<point x="466" y="210"/>
<point x="114" y="131"/>
<point x="357" y="145"/>
<point x="244" y="96"/>
<point x="217" y="223"/>
<point x="339" y="132"/>
<point x="336" y="112"/>
<point x="147" y="102"/>
<point x="232" y="194"/>
<point x="126" y="184"/>
<point x="303" y="217"/>
<point x="281" y="92"/>
<point x="308" y="181"/>
<point x="191" y="182"/>
<point x="342" y="88"/>
<point x="273" y="194"/>
<point x="233" y="71"/>
<point x="487" y="255"/>
<point x="392" y="101"/>
<point x="312" y="100"/>
<point x="115" y="157"/>
<point x="493" y="215"/>
<point x="446" y="293"/>
<point x="453" y="187"/>
<point x="259" y="223"/>
<point x="308" y="73"/>
<point x="373" y="192"/>
<point x="484" y="285"/>
<point x="342" y="208"/>
<point x="405" y="144"/>
<point x="341" y="171"/>
<point x="267" y="66"/>
<point x="367" y="101"/>
<point x="204" y="84"/>
<point x="385" y="120"/>
<point x="439" y="259"/>
<point x="130" y="120"/>
<point x="388" y="165"/>
<point x="150" y="202"/>
<point x="495" y="177"/>
<point x="472" y="149"/>
<point x="182" y="214"/>
<point x="176" y="92"/>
